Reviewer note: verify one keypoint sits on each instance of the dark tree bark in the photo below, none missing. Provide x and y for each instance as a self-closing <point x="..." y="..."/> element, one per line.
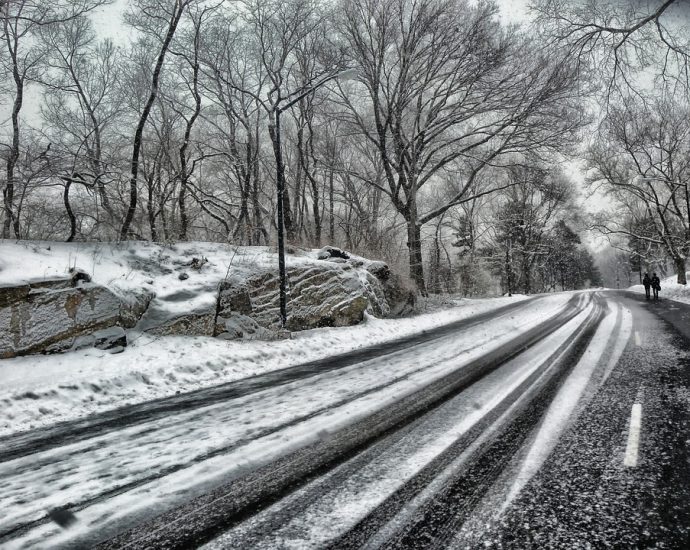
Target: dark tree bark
<point x="70" y="213"/>
<point x="176" y="15"/>
<point x="12" y="221"/>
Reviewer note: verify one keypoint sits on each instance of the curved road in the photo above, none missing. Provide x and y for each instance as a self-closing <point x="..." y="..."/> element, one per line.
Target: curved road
<point x="558" y="422"/>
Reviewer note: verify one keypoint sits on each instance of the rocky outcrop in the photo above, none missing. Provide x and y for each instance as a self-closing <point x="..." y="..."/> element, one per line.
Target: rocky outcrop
<point x="53" y="315"/>
<point x="400" y="296"/>
<point x="319" y="295"/>
<point x="169" y="315"/>
<point x="112" y="339"/>
<point x="73" y="313"/>
<point x="199" y="323"/>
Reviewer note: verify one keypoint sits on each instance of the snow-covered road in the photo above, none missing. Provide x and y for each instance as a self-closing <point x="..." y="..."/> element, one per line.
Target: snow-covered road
<point x="124" y="475"/>
<point x="349" y="493"/>
<point x="344" y="454"/>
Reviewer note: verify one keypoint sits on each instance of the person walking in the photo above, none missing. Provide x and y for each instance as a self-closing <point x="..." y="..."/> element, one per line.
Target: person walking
<point x="647" y="282"/>
<point x="656" y="286"/>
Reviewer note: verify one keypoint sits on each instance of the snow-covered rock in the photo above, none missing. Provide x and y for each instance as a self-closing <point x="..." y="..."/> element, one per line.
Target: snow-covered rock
<point x="113" y="339"/>
<point x="51" y="315"/>
<point x="49" y="304"/>
<point x="399" y="295"/>
<point x="319" y="295"/>
<point x="328" y="252"/>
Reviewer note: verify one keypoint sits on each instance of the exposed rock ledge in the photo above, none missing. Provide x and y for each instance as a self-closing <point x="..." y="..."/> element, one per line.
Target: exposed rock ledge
<point x="54" y="315"/>
<point x="66" y="313"/>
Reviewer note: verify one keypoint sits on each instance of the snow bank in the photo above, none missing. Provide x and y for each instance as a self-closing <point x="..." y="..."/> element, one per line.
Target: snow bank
<point x="38" y="391"/>
<point x="126" y="267"/>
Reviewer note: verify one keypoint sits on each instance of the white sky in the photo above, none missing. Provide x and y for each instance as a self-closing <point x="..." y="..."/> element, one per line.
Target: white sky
<point x="108" y="22"/>
<point x="108" y="19"/>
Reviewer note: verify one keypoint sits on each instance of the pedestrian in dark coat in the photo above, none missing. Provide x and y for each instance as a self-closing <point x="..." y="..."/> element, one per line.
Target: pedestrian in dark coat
<point x="656" y="286"/>
<point x="647" y="282"/>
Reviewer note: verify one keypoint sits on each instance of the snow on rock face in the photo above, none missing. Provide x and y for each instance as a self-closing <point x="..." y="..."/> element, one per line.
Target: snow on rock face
<point x="227" y="291"/>
<point x="320" y="295"/>
<point x="38" y="316"/>
<point x="200" y="321"/>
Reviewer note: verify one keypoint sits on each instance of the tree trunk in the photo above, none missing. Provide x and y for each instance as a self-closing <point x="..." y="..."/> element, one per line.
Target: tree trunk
<point x="527" y="275"/>
<point x="288" y="222"/>
<point x="509" y="271"/>
<point x="680" y="270"/>
<point x="414" y="243"/>
<point x="13" y="156"/>
<point x="136" y="148"/>
<point x="331" y="208"/>
<point x="151" y="207"/>
<point x="184" y="170"/>
<point x="70" y="213"/>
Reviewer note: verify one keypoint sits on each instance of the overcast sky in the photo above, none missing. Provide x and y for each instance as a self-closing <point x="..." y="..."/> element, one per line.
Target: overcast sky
<point x="108" y="18"/>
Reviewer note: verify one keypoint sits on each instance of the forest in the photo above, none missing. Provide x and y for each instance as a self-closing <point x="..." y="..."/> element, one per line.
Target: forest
<point x="437" y="135"/>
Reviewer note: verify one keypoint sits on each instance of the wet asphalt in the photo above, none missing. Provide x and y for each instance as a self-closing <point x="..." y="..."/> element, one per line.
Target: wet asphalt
<point x="583" y="496"/>
<point x="227" y="506"/>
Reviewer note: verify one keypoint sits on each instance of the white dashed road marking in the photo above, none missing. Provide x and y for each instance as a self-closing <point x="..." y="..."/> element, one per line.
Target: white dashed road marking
<point x="633" y="436"/>
<point x="638" y="341"/>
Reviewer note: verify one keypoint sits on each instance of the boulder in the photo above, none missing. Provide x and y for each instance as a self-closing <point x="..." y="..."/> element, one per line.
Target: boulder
<point x="134" y="306"/>
<point x="378" y="306"/>
<point x="111" y="339"/>
<point x="171" y="315"/>
<point x="200" y="323"/>
<point x="400" y="296"/>
<point x="233" y="299"/>
<point x="319" y="295"/>
<point x="380" y="270"/>
<point x="394" y="297"/>
<point x="36" y="316"/>
<point x="242" y="326"/>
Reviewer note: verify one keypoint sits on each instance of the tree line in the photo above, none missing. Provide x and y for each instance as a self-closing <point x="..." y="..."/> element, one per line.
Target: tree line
<point x="639" y="155"/>
<point x="427" y="130"/>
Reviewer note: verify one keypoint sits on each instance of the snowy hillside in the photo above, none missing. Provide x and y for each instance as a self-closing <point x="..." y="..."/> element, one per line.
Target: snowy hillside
<point x="39" y="390"/>
<point x="125" y="268"/>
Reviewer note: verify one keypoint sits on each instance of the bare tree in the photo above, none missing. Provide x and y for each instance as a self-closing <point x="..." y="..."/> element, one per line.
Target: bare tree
<point x="445" y="89"/>
<point x="157" y="20"/>
<point x="283" y="32"/>
<point x="190" y="72"/>
<point x="643" y="161"/>
<point x="20" y="20"/>
<point x="233" y="82"/>
<point x="620" y="38"/>
<point x="83" y="97"/>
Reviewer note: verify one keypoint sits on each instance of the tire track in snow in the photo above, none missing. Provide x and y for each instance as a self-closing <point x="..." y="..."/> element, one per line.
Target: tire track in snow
<point x="25" y="443"/>
<point x="229" y="505"/>
<point x="17" y="530"/>
<point x="404" y="464"/>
